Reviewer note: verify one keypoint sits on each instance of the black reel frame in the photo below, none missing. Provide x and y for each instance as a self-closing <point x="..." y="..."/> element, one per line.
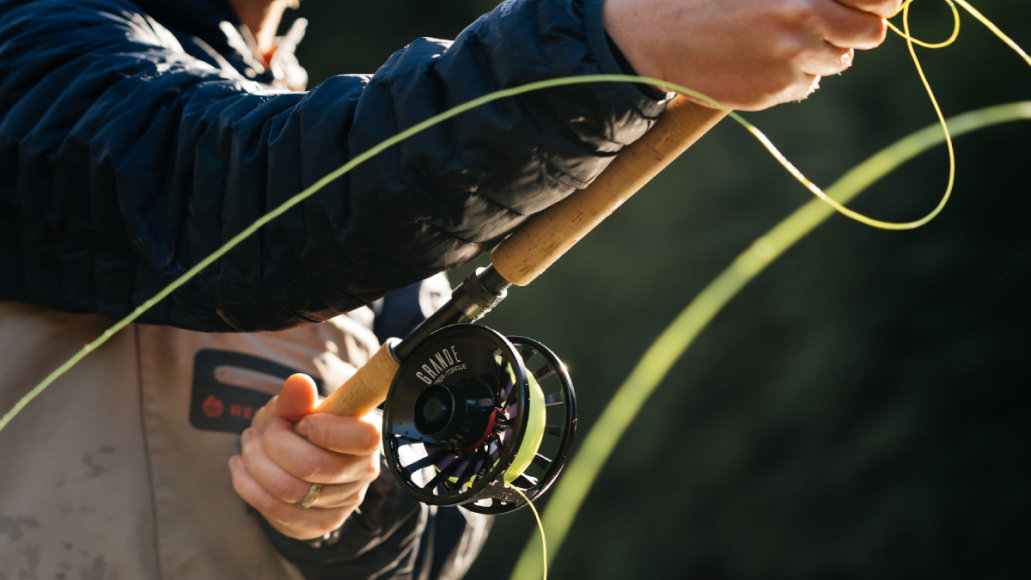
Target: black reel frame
<point x="454" y="420"/>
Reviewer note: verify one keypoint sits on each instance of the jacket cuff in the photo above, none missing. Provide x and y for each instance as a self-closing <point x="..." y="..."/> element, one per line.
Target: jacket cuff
<point x="647" y="101"/>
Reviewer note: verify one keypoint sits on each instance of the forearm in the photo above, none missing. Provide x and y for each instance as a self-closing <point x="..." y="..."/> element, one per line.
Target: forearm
<point x="134" y="162"/>
<point x="446" y="195"/>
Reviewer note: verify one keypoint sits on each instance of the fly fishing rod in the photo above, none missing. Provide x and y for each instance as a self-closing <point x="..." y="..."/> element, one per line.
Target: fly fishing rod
<point x="465" y="417"/>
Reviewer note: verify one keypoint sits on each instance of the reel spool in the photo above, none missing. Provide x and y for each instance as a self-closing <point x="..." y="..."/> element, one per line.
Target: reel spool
<point x="465" y="419"/>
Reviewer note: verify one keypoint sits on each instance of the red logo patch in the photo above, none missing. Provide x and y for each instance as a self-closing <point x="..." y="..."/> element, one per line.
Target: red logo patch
<point x="245" y="411"/>
<point x="213" y="407"/>
<point x="223" y="407"/>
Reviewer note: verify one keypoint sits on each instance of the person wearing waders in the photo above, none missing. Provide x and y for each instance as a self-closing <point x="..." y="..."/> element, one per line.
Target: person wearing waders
<point x="137" y="136"/>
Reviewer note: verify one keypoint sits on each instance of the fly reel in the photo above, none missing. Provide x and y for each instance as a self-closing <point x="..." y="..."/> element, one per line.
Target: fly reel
<point x="465" y="419"/>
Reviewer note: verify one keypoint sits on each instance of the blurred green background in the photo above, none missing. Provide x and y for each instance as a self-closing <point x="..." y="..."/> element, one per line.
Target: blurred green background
<point x="856" y="412"/>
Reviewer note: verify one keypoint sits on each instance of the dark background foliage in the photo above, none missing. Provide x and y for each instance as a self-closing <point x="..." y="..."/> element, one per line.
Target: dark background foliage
<point x="854" y="413"/>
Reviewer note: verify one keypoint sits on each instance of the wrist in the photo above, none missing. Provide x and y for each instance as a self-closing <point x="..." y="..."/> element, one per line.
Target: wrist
<point x="622" y="26"/>
<point x="651" y="91"/>
<point x="645" y="101"/>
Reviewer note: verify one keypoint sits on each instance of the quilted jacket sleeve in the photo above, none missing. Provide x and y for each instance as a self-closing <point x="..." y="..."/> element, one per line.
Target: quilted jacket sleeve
<point x="126" y="161"/>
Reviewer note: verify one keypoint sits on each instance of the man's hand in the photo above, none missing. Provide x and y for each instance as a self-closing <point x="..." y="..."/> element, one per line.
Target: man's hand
<point x="746" y="54"/>
<point x="279" y="463"/>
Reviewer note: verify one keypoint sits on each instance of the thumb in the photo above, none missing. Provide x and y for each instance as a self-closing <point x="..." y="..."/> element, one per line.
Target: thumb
<point x="297" y="399"/>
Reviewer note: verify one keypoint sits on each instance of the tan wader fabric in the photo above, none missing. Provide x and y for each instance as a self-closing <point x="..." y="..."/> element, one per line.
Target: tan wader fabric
<point x="104" y="477"/>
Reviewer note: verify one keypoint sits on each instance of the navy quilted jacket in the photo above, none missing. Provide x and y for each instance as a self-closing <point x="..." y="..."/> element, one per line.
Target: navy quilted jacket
<point x="136" y="137"/>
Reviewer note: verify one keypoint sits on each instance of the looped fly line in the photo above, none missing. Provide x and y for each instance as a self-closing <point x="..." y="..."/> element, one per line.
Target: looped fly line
<point x="569" y="494"/>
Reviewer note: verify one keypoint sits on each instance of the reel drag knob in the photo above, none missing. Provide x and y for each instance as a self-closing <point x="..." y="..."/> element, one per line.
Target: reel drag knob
<point x="465" y="420"/>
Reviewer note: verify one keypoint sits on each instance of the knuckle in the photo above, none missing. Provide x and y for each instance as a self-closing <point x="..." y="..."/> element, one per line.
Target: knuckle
<point x="343" y="469"/>
<point x="251" y="454"/>
<point x="869" y="31"/>
<point x="786" y="50"/>
<point x="362" y="473"/>
<point x="266" y="504"/>
<point x="372" y="471"/>
<point x="796" y="12"/>
<point x="886" y="8"/>
<point x="318" y="433"/>
<point x="351" y="503"/>
<point x="247" y="452"/>
<point x="273" y="445"/>
<point x="259" y="501"/>
<point x="309" y="467"/>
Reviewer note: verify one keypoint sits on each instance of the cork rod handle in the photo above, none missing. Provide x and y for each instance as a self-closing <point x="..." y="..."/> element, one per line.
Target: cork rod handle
<point x="366" y="389"/>
<point x="545" y="237"/>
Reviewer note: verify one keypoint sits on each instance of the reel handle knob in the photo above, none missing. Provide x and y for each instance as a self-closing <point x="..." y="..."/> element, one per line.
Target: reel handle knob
<point x="367" y="388"/>
<point x="545" y="237"/>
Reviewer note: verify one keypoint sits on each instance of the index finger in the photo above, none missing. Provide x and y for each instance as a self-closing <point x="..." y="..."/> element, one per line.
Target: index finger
<point x="351" y="435"/>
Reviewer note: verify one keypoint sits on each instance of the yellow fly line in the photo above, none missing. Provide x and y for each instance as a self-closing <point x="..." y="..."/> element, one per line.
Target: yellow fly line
<point x="675" y="340"/>
<point x="578" y="477"/>
<point x="408" y="133"/>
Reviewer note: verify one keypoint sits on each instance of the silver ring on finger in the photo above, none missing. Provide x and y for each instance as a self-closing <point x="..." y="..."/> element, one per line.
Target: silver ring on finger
<point x="311" y="497"/>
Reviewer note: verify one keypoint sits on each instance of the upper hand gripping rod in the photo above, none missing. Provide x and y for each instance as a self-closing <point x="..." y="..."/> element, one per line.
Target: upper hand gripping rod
<point x="537" y="244"/>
